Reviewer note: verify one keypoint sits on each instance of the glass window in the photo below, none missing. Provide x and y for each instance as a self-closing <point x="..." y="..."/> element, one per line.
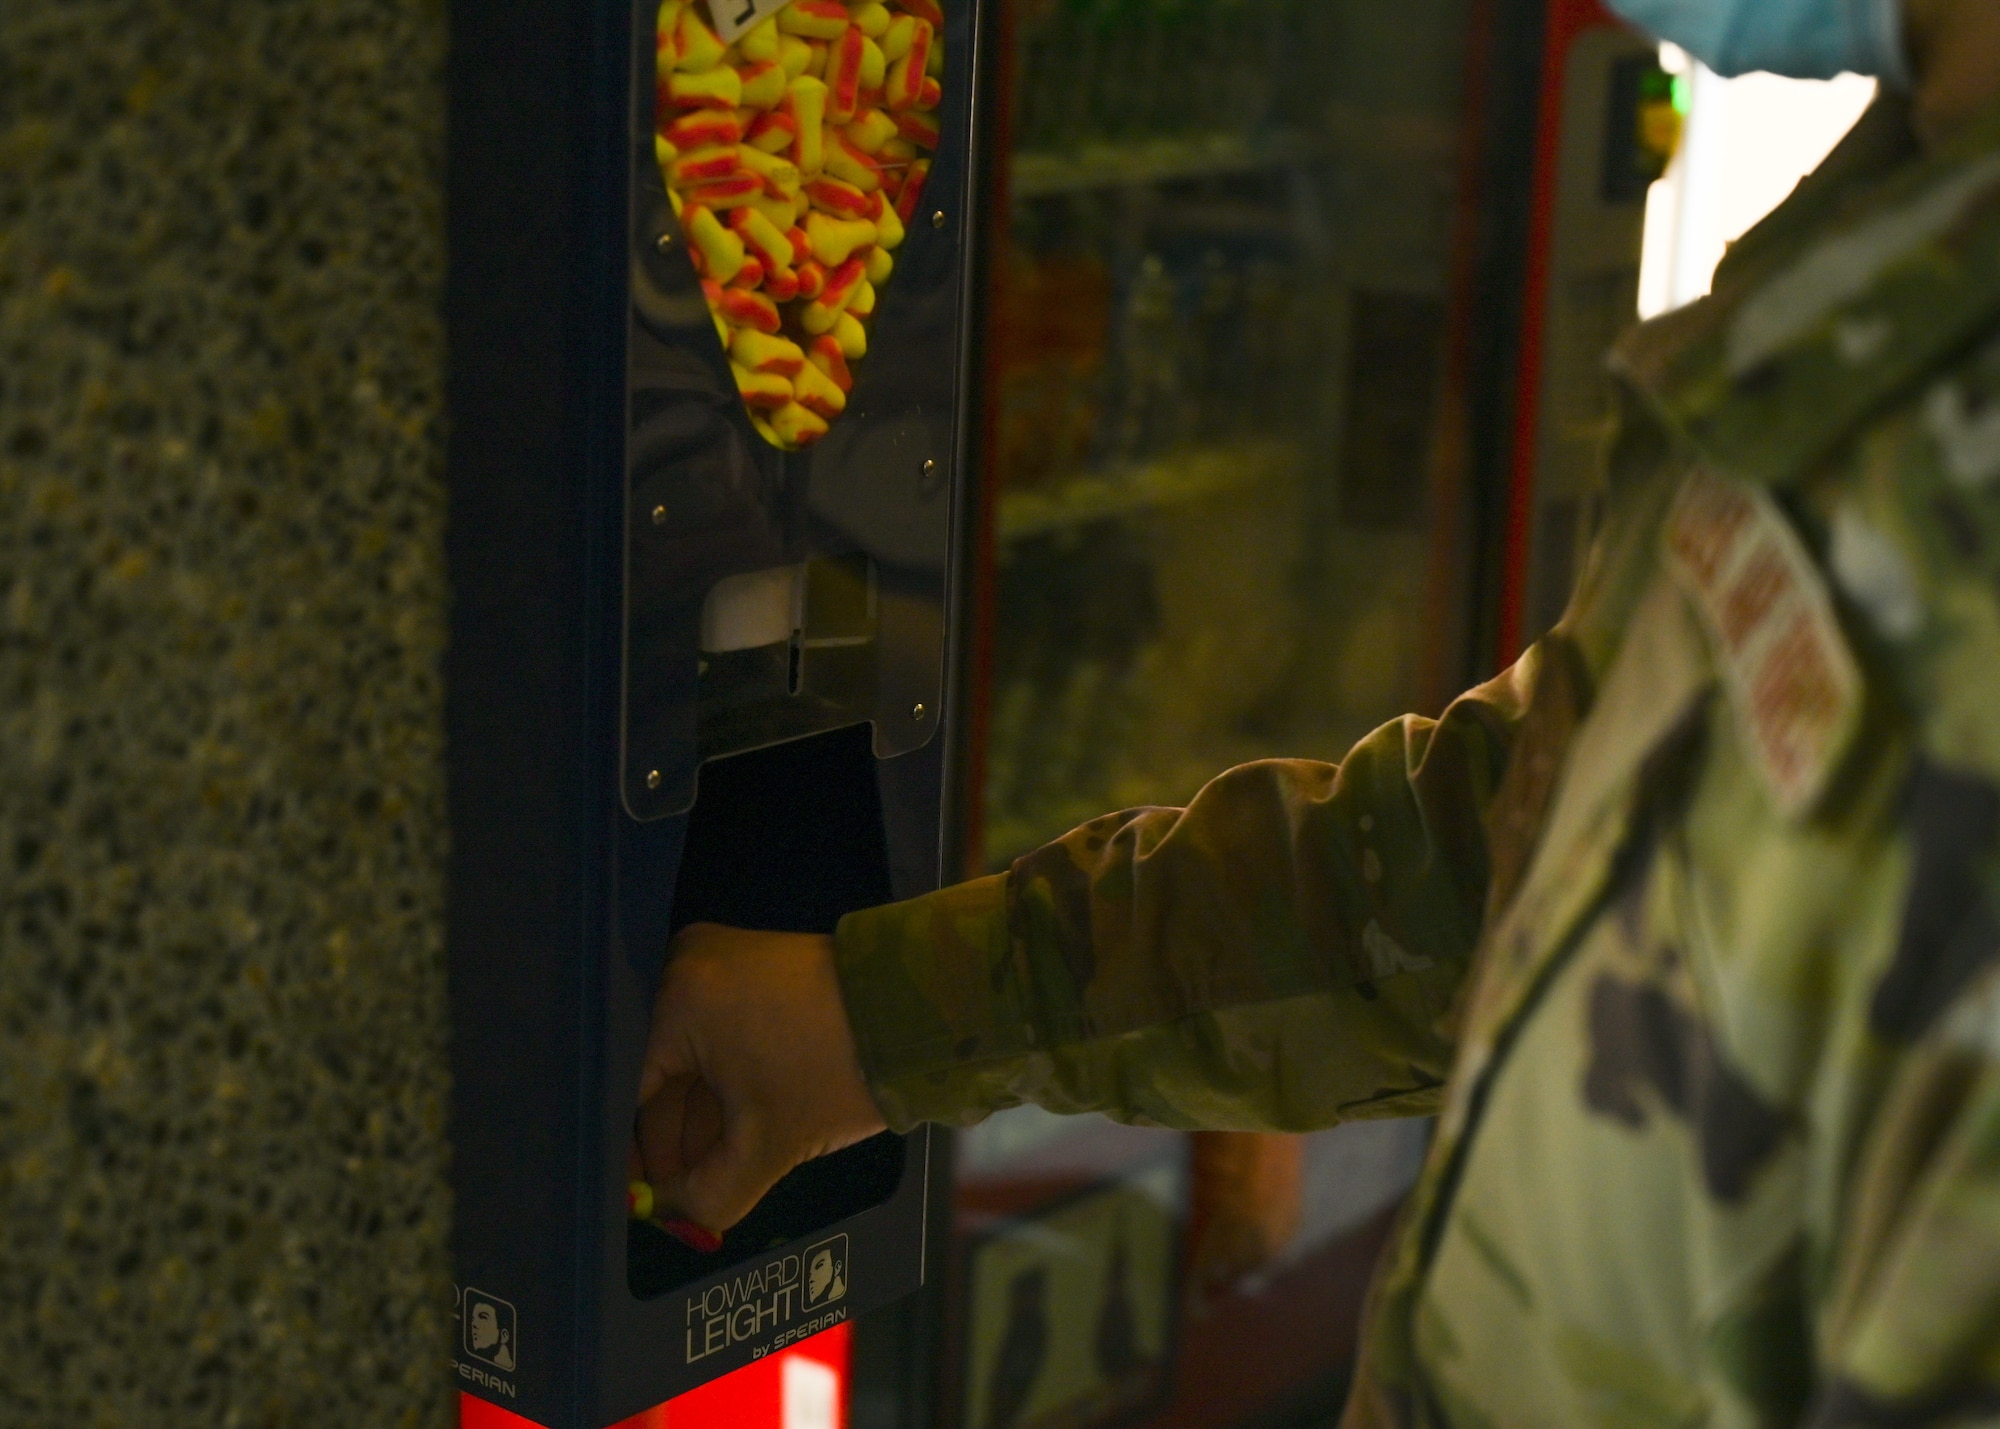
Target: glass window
<point x="1221" y="312"/>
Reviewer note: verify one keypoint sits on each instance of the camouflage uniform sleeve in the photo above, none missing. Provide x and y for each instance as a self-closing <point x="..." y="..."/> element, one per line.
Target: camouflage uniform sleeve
<point x="1277" y="956"/>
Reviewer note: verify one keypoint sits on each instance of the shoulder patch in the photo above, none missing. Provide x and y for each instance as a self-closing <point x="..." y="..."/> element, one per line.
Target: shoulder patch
<point x="1793" y="681"/>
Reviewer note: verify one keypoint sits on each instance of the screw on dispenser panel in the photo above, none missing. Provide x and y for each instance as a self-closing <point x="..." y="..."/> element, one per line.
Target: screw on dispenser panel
<point x="918" y="714"/>
<point x="663" y="242"/>
<point x="937" y="219"/>
<point x="652" y="778"/>
<point x="659" y="515"/>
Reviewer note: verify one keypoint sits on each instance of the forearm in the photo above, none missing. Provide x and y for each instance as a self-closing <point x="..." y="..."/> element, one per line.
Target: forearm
<point x="1277" y="955"/>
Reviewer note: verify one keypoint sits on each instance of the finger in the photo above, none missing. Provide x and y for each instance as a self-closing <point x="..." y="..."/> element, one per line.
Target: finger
<point x="721" y="1187"/>
<point x="667" y="1056"/>
<point x="725" y="1186"/>
<point x="670" y="1049"/>
<point x="659" y="1129"/>
<point x="701" y="1123"/>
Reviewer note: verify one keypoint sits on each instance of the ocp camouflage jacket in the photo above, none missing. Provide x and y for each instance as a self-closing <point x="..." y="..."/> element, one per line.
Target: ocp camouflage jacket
<point x="1685" y="927"/>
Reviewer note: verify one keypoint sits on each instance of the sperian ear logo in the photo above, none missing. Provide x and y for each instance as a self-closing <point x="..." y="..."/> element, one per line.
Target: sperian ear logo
<point x="826" y="1272"/>
<point x="490" y="1332"/>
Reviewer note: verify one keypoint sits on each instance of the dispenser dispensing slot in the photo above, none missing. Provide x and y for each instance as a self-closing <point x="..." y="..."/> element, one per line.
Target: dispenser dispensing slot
<point x="744" y="612"/>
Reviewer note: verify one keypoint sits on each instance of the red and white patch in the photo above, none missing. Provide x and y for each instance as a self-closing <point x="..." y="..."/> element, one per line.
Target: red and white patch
<point x="1794" y="682"/>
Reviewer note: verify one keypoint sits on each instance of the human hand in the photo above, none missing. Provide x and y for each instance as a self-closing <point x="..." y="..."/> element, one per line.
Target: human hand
<point x="750" y="1070"/>
<point x="1248" y="1198"/>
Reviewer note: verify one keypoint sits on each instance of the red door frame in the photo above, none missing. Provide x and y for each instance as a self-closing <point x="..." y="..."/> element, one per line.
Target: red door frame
<point x="1566" y="21"/>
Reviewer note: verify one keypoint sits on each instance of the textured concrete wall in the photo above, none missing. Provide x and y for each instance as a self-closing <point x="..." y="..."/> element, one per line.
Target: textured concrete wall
<point x="222" y="1086"/>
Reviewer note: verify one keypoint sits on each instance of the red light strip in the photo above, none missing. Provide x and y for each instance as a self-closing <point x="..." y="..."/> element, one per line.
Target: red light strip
<point x="754" y="1397"/>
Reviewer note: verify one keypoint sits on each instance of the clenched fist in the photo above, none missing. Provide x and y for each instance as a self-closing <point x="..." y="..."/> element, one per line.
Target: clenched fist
<point x="750" y="1070"/>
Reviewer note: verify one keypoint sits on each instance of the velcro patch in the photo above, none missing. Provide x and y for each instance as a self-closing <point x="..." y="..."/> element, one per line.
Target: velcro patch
<point x="1793" y="681"/>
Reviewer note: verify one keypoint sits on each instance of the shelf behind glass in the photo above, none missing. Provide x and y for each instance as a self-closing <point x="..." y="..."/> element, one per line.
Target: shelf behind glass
<point x="1138" y="163"/>
<point x="1142" y="486"/>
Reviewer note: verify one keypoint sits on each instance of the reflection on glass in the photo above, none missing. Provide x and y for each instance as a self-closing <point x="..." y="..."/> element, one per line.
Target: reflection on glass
<point x="1221" y="314"/>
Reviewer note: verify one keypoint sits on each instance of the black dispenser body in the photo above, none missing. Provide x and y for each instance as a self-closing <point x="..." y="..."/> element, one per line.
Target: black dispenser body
<point x="618" y="768"/>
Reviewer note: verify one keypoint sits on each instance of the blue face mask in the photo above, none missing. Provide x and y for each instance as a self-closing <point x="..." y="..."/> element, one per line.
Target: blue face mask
<point x="1804" y="39"/>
